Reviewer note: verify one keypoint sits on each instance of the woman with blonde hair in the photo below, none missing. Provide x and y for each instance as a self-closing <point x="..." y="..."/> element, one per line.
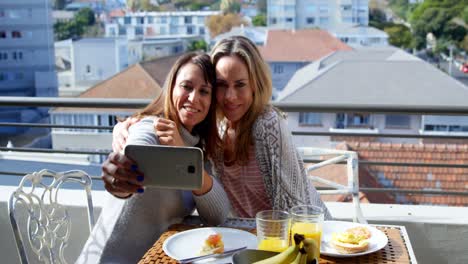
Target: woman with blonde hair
<point x="258" y="164"/>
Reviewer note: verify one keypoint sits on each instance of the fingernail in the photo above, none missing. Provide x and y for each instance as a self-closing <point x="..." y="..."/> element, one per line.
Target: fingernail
<point x="134" y="167"/>
<point x="140" y="190"/>
<point x="140" y="178"/>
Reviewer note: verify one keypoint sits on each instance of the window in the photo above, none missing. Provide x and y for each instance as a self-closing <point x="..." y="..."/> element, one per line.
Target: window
<point x="3" y="34"/>
<point x="127" y="20"/>
<point x="162" y="31"/>
<point x="150" y="19"/>
<point x="323" y="20"/>
<point x="16" y="34"/>
<point x="310" y="20"/>
<point x="14" y="55"/>
<point x="190" y="30"/>
<point x="2" y="13"/>
<point x="174" y="20"/>
<point x="163" y="20"/>
<point x="277" y="69"/>
<point x="201" y="31"/>
<point x="310" y="119"/>
<point x="140" y="20"/>
<point x="346" y="7"/>
<point x="201" y="19"/>
<point x="398" y="121"/>
<point x="138" y="30"/>
<point x="352" y="120"/>
<point x="446" y="128"/>
<point x="188" y="20"/>
<point x="3" y="56"/>
<point x="323" y="9"/>
<point x="88" y="69"/>
<point x="3" y="76"/>
<point x="289" y="19"/>
<point x="273" y="20"/>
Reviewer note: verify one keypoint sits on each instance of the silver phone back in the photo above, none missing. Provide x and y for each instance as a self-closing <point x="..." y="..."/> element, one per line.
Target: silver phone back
<point x="168" y="167"/>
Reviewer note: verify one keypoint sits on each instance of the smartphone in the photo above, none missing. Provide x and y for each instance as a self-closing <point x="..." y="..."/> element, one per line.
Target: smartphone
<point x="167" y="166"/>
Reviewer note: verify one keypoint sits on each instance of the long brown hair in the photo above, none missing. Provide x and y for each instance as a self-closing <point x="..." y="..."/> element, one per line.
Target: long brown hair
<point x="260" y="80"/>
<point x="163" y="105"/>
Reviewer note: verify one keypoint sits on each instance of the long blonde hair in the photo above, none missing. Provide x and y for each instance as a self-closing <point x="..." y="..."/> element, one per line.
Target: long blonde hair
<point x="260" y="81"/>
<point x="163" y="105"/>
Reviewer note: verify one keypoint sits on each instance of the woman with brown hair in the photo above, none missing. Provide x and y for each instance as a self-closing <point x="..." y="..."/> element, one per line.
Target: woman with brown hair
<point x="128" y="226"/>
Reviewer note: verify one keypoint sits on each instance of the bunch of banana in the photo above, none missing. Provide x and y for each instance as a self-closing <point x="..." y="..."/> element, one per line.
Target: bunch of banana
<point x="304" y="251"/>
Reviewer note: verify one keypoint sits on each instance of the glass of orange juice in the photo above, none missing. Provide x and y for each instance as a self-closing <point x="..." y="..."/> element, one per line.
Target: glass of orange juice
<point x="273" y="230"/>
<point x="307" y="220"/>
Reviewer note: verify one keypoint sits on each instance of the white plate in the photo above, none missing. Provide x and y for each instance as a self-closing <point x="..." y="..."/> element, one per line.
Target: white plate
<point x="188" y="244"/>
<point x="377" y="241"/>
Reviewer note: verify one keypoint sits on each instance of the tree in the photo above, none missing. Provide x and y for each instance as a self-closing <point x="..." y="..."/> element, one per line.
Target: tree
<point x="377" y="18"/>
<point x="223" y="23"/>
<point x="198" y="45"/>
<point x="259" y="20"/>
<point x="465" y="15"/>
<point x="85" y="17"/>
<point x="399" y="36"/>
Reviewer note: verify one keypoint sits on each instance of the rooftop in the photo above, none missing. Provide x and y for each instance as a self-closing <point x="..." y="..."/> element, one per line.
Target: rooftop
<point x="381" y="77"/>
<point x="300" y="45"/>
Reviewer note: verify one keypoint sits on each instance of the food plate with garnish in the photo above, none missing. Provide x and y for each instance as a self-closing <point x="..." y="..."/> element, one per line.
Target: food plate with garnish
<point x="201" y="241"/>
<point x="348" y="239"/>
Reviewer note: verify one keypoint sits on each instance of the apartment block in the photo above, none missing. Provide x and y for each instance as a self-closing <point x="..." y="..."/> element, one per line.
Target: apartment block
<point x="151" y="24"/>
<point x="300" y="14"/>
<point x="26" y="57"/>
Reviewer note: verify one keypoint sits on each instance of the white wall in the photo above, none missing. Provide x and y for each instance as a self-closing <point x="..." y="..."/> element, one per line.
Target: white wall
<point x="81" y="140"/>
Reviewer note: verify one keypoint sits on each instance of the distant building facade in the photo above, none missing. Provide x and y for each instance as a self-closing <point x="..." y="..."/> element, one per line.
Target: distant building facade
<point x="358" y="36"/>
<point x="287" y="51"/>
<point x="299" y="14"/>
<point x="151" y="24"/>
<point x="89" y="61"/>
<point x="26" y="57"/>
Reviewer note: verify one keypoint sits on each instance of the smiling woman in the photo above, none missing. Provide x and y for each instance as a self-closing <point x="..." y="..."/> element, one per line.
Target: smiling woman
<point x="126" y="228"/>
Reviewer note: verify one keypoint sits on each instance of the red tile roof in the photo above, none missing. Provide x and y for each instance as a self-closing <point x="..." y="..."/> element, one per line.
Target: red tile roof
<point x="417" y="178"/>
<point x="117" y="13"/>
<point x="139" y="81"/>
<point x="300" y="45"/>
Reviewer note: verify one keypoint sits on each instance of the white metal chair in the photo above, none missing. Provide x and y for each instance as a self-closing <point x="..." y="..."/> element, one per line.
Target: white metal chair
<point x="48" y="223"/>
<point x="351" y="188"/>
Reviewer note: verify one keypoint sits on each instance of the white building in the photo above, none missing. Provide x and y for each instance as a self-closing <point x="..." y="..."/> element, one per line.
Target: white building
<point x="357" y="35"/>
<point x="299" y="14"/>
<point x="161" y="46"/>
<point x="150" y="24"/>
<point x="26" y="56"/>
<point x="89" y="61"/>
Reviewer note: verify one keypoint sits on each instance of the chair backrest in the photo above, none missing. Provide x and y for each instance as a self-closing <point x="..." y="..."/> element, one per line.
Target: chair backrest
<point x="48" y="223"/>
<point x="352" y="171"/>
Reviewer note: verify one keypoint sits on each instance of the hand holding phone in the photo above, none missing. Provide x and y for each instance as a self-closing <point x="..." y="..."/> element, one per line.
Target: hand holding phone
<point x="167" y="166"/>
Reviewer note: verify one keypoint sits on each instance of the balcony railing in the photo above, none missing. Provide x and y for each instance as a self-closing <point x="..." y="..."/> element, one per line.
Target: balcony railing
<point x="335" y="108"/>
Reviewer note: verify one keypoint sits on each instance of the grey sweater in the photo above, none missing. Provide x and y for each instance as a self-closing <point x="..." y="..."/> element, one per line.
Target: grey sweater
<point x="127" y="228"/>
<point x="280" y="164"/>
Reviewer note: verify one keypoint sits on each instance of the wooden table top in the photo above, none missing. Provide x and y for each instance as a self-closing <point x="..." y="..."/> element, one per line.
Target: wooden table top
<point x="395" y="251"/>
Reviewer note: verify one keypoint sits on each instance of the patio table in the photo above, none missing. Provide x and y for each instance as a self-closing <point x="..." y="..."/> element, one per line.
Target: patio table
<point x="397" y="250"/>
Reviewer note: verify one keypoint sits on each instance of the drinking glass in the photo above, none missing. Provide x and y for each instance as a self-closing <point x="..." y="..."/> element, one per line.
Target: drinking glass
<point x="307" y="220"/>
<point x="273" y="230"/>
